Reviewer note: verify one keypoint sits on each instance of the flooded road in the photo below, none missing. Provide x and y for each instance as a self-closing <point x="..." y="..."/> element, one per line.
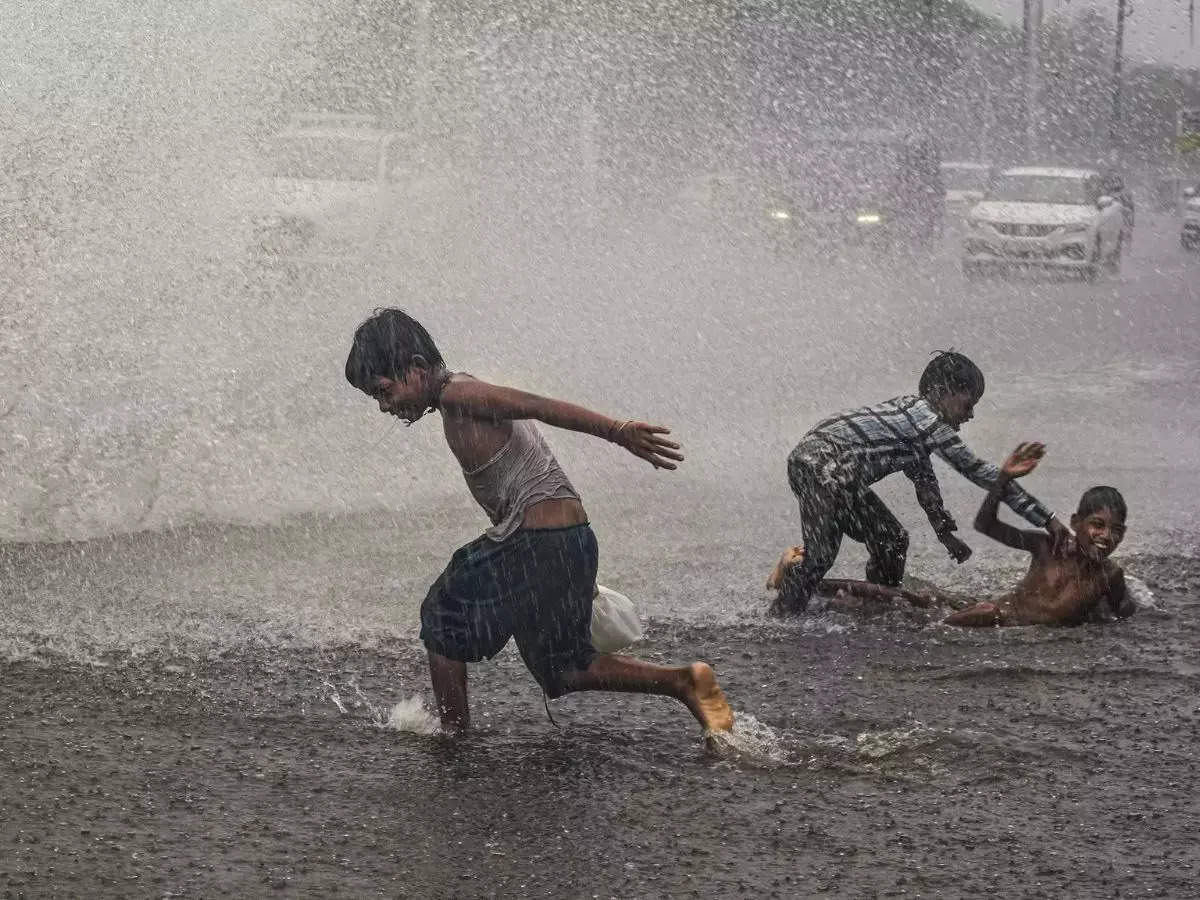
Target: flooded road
<point x="228" y="702"/>
<point x="870" y="759"/>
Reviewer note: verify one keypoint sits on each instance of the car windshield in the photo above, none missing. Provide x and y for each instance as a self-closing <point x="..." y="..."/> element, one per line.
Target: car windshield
<point x="326" y="159"/>
<point x="964" y="179"/>
<point x="1041" y="189"/>
<point x="837" y="174"/>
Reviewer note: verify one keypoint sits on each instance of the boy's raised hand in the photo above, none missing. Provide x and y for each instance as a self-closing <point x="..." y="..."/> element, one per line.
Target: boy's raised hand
<point x="1024" y="459"/>
<point x="647" y="442"/>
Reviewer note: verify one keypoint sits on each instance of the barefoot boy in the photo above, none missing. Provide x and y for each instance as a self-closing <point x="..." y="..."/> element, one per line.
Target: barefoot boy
<point x="1068" y="581"/>
<point x="833" y="467"/>
<point x="533" y="573"/>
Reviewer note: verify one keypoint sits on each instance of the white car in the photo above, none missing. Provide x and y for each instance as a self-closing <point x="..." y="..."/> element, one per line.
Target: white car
<point x="328" y="189"/>
<point x="1047" y="218"/>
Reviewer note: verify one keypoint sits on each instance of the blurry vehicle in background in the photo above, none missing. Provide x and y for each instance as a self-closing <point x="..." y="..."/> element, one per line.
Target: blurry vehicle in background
<point x="328" y="190"/>
<point x="1049" y="218"/>
<point x="881" y="189"/>
<point x="966" y="184"/>
<point x="1189" y="236"/>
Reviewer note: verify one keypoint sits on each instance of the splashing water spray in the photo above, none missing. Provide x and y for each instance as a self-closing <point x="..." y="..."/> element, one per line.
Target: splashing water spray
<point x="408" y="715"/>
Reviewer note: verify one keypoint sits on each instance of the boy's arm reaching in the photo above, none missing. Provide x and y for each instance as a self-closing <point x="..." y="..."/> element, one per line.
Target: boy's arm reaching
<point x="1020" y="462"/>
<point x="929" y="495"/>
<point x="945" y="442"/>
<point x="950" y="447"/>
<point x="496" y="403"/>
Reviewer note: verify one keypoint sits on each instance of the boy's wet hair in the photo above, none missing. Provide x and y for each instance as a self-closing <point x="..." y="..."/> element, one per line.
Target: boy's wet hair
<point x="951" y="372"/>
<point x="385" y="345"/>
<point x="1101" y="497"/>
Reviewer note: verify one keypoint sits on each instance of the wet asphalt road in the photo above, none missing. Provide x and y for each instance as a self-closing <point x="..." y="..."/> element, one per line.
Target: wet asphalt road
<point x="872" y="758"/>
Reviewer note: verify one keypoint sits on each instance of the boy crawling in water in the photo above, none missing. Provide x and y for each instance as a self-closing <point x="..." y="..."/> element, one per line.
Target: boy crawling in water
<point x="1070" y="581"/>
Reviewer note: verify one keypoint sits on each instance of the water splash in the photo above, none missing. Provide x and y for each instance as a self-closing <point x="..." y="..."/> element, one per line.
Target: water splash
<point x="412" y="716"/>
<point x="757" y="744"/>
<point x="877" y="745"/>
<point x="1140" y="593"/>
<point x="750" y="741"/>
<point x="334" y="697"/>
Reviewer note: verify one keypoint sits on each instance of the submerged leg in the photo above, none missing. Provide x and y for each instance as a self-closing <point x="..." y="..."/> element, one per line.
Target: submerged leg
<point x="981" y="615"/>
<point x="869" y="591"/>
<point x="695" y="686"/>
<point x="449" y="679"/>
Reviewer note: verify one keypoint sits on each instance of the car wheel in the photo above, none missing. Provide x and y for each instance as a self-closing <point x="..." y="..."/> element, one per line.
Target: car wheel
<point x="1189" y="243"/>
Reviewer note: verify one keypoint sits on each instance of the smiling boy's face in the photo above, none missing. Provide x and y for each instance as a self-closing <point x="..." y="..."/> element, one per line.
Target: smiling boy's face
<point x="1098" y="533"/>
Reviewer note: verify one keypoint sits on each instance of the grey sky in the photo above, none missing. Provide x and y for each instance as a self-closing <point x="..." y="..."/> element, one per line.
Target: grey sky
<point x="1157" y="30"/>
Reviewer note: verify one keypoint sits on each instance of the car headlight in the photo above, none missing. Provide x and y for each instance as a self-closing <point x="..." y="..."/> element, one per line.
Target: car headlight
<point x="780" y="214"/>
<point x="868" y="218"/>
<point x="1077" y="228"/>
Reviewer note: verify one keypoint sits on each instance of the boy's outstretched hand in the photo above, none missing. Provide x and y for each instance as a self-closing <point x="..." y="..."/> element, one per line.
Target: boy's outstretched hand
<point x="647" y="441"/>
<point x="958" y="550"/>
<point x="1024" y="459"/>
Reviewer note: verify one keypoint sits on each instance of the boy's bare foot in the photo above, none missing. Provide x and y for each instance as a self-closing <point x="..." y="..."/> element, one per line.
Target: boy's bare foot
<point x="792" y="556"/>
<point x="706" y="700"/>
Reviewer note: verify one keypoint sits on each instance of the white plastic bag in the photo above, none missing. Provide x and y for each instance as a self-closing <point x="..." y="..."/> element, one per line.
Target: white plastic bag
<point x="615" y="622"/>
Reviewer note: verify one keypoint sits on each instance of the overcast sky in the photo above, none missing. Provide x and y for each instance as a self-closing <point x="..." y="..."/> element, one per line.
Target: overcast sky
<point x="1157" y="30"/>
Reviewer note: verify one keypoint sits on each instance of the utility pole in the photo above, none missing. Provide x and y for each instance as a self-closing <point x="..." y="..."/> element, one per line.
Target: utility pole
<point x="1114" y="122"/>
<point x="1032" y="44"/>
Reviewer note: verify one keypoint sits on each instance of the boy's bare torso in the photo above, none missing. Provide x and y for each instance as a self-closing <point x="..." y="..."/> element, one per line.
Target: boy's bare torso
<point x="475" y="441"/>
<point x="1062" y="587"/>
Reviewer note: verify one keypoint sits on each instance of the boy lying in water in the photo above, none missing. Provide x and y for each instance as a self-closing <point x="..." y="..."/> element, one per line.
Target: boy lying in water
<point x="1069" y="582"/>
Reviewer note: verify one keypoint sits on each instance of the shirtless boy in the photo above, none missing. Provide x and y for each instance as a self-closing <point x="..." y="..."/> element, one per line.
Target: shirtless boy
<point x="532" y="575"/>
<point x="1069" y="581"/>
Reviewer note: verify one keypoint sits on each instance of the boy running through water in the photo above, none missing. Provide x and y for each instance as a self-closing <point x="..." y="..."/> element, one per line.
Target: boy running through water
<point x="1068" y="582"/>
<point x="531" y="575"/>
<point x="833" y="467"/>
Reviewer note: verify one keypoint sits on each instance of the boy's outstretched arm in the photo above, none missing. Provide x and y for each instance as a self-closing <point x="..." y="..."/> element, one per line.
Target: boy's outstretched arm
<point x="1020" y="462"/>
<point x="929" y="495"/>
<point x="946" y="443"/>
<point x="493" y="402"/>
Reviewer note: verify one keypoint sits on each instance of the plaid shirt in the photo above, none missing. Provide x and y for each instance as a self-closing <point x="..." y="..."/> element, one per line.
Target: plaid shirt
<point x="859" y="447"/>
